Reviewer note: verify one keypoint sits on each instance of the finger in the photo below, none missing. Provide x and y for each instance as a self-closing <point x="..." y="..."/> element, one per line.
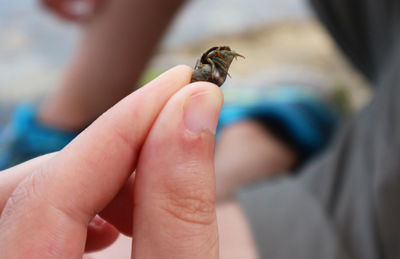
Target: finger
<point x="119" y="211"/>
<point x="65" y="194"/>
<point x="10" y="178"/>
<point x="72" y="10"/>
<point x="174" y="191"/>
<point x="100" y="234"/>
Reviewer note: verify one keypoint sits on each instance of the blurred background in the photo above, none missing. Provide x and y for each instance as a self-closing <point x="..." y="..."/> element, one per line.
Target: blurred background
<point x="35" y="45"/>
<point x="274" y="36"/>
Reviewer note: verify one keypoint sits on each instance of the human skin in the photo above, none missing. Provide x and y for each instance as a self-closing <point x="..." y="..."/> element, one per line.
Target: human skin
<point x="69" y="100"/>
<point x="119" y="37"/>
<point x="165" y="131"/>
<point x="234" y="232"/>
<point x="84" y="93"/>
<point x="246" y="152"/>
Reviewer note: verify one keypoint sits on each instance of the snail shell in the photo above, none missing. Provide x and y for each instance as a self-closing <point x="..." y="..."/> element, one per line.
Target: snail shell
<point x="221" y="57"/>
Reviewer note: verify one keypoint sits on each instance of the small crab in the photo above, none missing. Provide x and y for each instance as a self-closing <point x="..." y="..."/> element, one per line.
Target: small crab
<point x="214" y="64"/>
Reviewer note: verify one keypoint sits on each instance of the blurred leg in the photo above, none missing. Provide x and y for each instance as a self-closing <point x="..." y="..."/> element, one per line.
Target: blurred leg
<point x="115" y="48"/>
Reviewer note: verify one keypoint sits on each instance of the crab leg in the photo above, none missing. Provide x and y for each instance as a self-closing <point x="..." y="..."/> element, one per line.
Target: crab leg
<point x="222" y="64"/>
<point x="236" y="54"/>
<point x="212" y="67"/>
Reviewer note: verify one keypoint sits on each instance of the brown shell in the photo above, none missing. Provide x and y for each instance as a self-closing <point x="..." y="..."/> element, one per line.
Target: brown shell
<point x="222" y="58"/>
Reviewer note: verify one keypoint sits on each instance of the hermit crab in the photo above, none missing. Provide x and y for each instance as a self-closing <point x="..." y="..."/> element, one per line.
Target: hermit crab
<point x="214" y="64"/>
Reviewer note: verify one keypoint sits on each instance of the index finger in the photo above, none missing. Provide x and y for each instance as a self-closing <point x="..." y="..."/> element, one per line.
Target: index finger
<point x="84" y="177"/>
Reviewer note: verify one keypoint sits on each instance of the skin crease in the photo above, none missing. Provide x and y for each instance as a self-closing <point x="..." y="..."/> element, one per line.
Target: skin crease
<point x="231" y="220"/>
<point x="59" y="213"/>
<point x="155" y="144"/>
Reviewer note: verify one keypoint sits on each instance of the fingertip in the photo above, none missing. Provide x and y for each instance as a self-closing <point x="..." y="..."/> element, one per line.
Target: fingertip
<point x="179" y="75"/>
<point x="202" y="108"/>
<point x="100" y="234"/>
<point x="184" y="69"/>
<point x="208" y="86"/>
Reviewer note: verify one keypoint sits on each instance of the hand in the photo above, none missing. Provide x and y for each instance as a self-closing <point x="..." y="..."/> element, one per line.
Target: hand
<point x="73" y="10"/>
<point x="165" y="131"/>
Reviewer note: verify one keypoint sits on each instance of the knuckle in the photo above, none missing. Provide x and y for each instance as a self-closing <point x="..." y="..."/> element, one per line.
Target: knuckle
<point x="29" y="196"/>
<point x="28" y="188"/>
<point x="23" y="194"/>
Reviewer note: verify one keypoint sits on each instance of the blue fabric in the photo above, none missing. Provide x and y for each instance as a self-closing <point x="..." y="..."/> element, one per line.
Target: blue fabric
<point x="25" y="138"/>
<point x="309" y="121"/>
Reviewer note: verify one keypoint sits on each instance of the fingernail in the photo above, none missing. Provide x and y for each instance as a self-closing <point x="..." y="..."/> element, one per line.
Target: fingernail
<point x="202" y="111"/>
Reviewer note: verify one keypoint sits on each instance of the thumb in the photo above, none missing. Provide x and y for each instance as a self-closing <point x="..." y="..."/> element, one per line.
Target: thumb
<point x="174" y="196"/>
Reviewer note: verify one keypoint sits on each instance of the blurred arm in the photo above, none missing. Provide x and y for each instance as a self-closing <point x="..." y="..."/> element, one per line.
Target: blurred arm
<point x="116" y="45"/>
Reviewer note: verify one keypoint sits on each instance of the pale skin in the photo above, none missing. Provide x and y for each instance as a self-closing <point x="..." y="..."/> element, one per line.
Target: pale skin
<point x="117" y="42"/>
<point x="123" y="61"/>
<point x="115" y="202"/>
<point x="48" y="203"/>
<point x="173" y="189"/>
